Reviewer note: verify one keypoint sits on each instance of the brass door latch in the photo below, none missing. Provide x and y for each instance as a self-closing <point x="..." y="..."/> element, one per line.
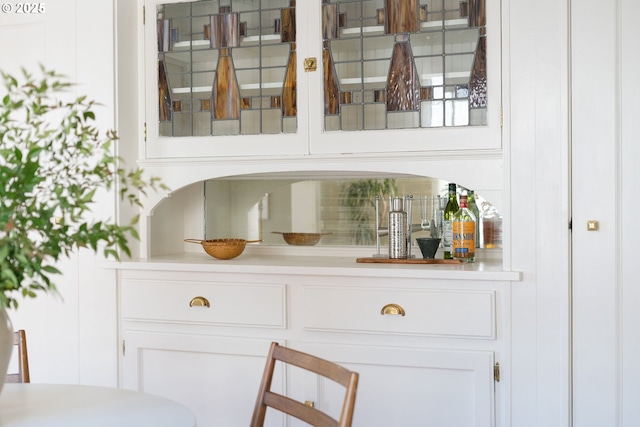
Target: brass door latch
<point x="310" y="64"/>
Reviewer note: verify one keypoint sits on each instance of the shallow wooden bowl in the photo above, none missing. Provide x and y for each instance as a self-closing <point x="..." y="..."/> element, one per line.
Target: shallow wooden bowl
<point x="223" y="248"/>
<point x="301" y="239"/>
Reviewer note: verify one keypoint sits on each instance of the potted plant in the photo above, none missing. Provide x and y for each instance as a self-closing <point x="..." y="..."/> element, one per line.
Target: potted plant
<point x="359" y="197"/>
<point x="53" y="161"/>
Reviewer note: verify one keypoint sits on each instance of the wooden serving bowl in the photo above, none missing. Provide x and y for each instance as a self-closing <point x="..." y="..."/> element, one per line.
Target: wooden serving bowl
<point x="301" y="239"/>
<point x="223" y="248"/>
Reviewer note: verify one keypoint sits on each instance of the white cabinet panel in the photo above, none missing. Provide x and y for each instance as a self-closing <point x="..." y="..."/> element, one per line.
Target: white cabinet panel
<point x="216" y="377"/>
<point x="170" y="301"/>
<point x="409" y="387"/>
<point x="454" y="313"/>
<point x="433" y="366"/>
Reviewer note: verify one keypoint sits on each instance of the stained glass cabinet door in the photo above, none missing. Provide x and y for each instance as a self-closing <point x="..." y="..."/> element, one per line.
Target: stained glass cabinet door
<point x="226" y="78"/>
<point x="221" y="79"/>
<point x="407" y="75"/>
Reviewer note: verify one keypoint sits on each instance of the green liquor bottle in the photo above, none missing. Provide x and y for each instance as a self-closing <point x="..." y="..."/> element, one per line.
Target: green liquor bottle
<point x="447" y="223"/>
<point x="473" y="207"/>
<point x="464" y="231"/>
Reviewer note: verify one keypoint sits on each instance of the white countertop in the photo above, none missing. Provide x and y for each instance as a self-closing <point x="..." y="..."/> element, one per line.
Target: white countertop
<point x="255" y="262"/>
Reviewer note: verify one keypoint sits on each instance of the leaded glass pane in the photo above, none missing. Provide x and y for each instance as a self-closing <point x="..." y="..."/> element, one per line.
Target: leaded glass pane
<point x="223" y="67"/>
<point x="404" y="63"/>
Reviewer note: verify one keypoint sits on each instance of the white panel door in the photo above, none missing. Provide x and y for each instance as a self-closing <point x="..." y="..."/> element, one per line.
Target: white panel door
<point x="405" y="386"/>
<point x="629" y="226"/>
<point x="216" y="377"/>
<point x="606" y="324"/>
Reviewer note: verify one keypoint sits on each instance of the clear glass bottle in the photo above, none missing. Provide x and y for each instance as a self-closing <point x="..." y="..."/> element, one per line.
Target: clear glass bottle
<point x="447" y="230"/>
<point x="473" y="207"/>
<point x="491" y="228"/>
<point x="464" y="232"/>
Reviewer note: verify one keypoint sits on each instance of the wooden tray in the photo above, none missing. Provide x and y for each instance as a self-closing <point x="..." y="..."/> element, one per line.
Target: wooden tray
<point x="409" y="261"/>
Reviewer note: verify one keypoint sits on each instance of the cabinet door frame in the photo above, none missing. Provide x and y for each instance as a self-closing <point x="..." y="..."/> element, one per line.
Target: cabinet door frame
<point x="479" y="363"/>
<point x="441" y="139"/>
<point x="310" y="137"/>
<point x="156" y="146"/>
<point x="136" y="342"/>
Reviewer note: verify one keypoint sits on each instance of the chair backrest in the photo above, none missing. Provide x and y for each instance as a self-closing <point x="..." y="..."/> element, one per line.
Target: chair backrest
<point x="20" y="344"/>
<point x="308" y="414"/>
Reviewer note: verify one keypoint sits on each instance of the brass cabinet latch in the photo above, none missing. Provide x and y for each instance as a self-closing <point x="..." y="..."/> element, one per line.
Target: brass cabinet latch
<point x="496" y="372"/>
<point x="310" y="64"/>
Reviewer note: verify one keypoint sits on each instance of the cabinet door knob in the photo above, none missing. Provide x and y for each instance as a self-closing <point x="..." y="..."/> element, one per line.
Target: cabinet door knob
<point x="199" y="302"/>
<point x="310" y="64"/>
<point x="394" y="309"/>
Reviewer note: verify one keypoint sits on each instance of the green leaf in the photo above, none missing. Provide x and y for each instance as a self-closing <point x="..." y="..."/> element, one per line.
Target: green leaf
<point x="51" y="269"/>
<point x="53" y="163"/>
<point x="4" y="252"/>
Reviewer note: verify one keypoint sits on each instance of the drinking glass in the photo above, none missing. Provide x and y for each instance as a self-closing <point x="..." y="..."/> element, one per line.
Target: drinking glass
<point x="431" y="208"/>
<point x="425" y="211"/>
<point x="437" y="215"/>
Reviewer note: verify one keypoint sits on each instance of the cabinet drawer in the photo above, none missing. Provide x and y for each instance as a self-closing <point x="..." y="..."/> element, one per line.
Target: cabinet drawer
<point x="239" y="304"/>
<point x="456" y="313"/>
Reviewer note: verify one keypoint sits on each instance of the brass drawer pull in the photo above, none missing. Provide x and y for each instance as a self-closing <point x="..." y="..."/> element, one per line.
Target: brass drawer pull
<point x="394" y="309"/>
<point x="199" y="302"/>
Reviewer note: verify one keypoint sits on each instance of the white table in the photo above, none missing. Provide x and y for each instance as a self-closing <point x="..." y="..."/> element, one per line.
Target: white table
<point x="39" y="405"/>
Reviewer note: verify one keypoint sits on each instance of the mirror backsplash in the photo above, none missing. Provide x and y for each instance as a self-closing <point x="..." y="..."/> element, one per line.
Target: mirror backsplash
<point x="342" y="209"/>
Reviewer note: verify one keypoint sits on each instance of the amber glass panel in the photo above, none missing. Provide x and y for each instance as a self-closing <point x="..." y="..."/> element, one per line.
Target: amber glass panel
<point x="330" y="21"/>
<point x="226" y="94"/>
<point x="331" y="90"/>
<point x="218" y="58"/>
<point x="479" y="76"/>
<point x="477" y="13"/>
<point x="401" y="16"/>
<point x="403" y="83"/>
<point x="226" y="30"/>
<point x="410" y="55"/>
<point x="164" y="95"/>
<point x="464" y="9"/>
<point x="288" y="35"/>
<point x="288" y="22"/>
<point x="289" y="94"/>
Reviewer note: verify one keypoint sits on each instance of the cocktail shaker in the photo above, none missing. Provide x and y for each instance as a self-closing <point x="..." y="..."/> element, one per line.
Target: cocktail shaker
<point x="398" y="230"/>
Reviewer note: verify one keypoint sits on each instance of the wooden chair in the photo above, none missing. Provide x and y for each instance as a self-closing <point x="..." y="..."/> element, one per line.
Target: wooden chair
<point x="308" y="414"/>
<point x="20" y="344"/>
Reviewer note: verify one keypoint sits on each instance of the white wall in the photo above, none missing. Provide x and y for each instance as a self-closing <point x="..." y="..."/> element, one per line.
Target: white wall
<point x="72" y="338"/>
